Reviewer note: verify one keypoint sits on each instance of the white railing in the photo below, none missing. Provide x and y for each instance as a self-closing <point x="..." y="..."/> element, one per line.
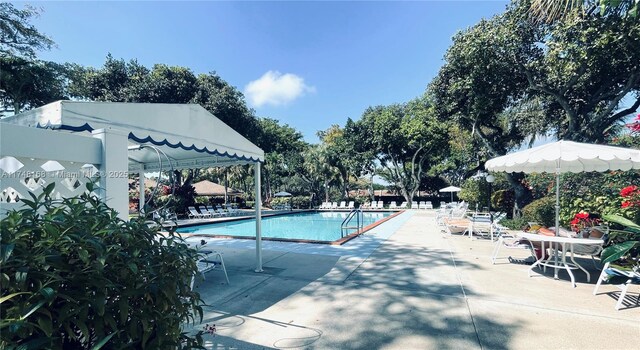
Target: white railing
<point x="32" y="158"/>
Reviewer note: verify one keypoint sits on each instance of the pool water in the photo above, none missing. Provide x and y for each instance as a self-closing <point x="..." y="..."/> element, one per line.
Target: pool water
<point x="318" y="226"/>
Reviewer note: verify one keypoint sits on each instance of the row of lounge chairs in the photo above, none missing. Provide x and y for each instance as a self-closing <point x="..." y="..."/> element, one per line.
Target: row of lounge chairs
<point x="334" y="205"/>
<point x="380" y="205"/>
<point x="206" y="212"/>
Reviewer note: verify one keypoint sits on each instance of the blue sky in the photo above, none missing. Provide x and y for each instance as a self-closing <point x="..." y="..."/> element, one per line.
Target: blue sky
<point x="307" y="64"/>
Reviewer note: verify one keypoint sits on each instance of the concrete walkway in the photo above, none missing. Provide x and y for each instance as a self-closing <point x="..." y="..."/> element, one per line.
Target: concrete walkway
<point x="405" y="286"/>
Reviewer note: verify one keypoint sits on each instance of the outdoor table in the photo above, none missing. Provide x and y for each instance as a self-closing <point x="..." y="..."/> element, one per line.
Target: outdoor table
<point x="566" y="244"/>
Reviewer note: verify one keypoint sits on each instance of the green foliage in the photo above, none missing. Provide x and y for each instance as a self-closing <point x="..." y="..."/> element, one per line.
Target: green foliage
<point x="18" y="37"/>
<point x="475" y="192"/>
<point x="297" y="202"/>
<point x="624" y="245"/>
<point x="74" y="276"/>
<point x="503" y="200"/>
<point x="514" y="224"/>
<point x="542" y="211"/>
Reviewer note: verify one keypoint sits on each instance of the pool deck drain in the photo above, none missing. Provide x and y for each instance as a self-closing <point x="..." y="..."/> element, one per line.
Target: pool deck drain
<point x="404" y="286"/>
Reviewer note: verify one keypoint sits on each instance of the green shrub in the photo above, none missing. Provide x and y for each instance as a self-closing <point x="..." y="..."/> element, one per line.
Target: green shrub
<point x="503" y="200"/>
<point x="542" y="211"/>
<point x="514" y="224"/>
<point x="74" y="276"/>
<point x="475" y="192"/>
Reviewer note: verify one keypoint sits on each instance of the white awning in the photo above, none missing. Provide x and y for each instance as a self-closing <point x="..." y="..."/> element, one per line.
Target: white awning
<point x="189" y="135"/>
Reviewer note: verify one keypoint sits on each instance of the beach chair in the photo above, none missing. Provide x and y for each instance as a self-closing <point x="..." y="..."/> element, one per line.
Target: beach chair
<point x="443" y="204"/>
<point x="194" y="213"/>
<point x="325" y="205"/>
<point x="509" y="241"/>
<point x="403" y="205"/>
<point x="212" y="211"/>
<point x="630" y="276"/>
<point x="352" y="205"/>
<point x="393" y="205"/>
<point x="221" y="211"/>
<point x="334" y="205"/>
<point x="481" y="225"/>
<point x="209" y="261"/>
<point x="429" y="205"/>
<point x="380" y="205"/>
<point x="422" y="205"/>
<point x="343" y="205"/>
<point x="414" y="205"/>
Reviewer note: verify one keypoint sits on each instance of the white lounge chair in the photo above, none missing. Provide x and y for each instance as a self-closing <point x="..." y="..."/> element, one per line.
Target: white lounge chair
<point x="393" y="205"/>
<point x="380" y="205"/>
<point x="429" y="205"/>
<point x="194" y="213"/>
<point x="414" y="205"/>
<point x="403" y="205"/>
<point x="422" y="205"/>
<point x="343" y="205"/>
<point x="334" y="205"/>
<point x="630" y="276"/>
<point x="352" y="205"/>
<point x="209" y="261"/>
<point x="212" y="211"/>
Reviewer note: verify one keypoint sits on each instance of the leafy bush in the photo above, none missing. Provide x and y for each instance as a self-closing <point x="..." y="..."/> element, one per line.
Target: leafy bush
<point x="503" y="200"/>
<point x="74" y="276"/>
<point x="514" y="224"/>
<point x="475" y="192"/>
<point x="541" y="210"/>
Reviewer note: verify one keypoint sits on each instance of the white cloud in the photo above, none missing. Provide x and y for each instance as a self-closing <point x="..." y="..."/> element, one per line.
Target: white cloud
<point x="275" y="88"/>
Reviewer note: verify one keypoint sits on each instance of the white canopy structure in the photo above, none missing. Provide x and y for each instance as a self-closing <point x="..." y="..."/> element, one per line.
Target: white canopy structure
<point x="134" y="134"/>
<point x="190" y="135"/>
<point x="451" y="189"/>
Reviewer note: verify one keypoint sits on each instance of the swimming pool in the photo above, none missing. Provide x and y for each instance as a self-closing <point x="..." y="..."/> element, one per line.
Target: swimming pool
<point x="308" y="226"/>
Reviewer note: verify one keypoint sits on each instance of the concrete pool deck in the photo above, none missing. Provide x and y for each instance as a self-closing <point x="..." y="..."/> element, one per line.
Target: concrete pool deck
<point x="405" y="286"/>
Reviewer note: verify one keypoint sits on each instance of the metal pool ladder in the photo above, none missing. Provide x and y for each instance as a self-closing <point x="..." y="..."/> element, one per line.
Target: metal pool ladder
<point x="345" y="227"/>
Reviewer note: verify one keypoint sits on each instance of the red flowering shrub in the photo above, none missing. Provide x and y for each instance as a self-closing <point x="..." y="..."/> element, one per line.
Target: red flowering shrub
<point x="635" y="125"/>
<point x="582" y="220"/>
<point x="631" y="196"/>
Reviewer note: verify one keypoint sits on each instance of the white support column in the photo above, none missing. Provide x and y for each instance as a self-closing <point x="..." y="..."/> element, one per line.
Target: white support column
<point x="258" y="201"/>
<point x="114" y="170"/>
<point x="141" y="188"/>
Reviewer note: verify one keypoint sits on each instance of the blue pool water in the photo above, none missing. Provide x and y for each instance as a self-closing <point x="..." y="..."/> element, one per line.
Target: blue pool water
<point x="321" y="226"/>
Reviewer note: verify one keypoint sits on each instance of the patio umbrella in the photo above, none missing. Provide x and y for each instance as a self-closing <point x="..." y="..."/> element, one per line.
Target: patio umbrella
<point x="451" y="189"/>
<point x="563" y="157"/>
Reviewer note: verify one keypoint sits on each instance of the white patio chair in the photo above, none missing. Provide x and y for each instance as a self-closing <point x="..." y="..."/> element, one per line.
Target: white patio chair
<point x="221" y="211"/>
<point x="403" y="205"/>
<point x="334" y="205"/>
<point x="631" y="277"/>
<point x="509" y="241"/>
<point x="380" y="205"/>
<point x="352" y="205"/>
<point x="343" y="205"/>
<point x="393" y="205"/>
<point x="206" y="264"/>
<point x="414" y="205"/>
<point x="194" y="214"/>
<point x="429" y="205"/>
<point x="212" y="212"/>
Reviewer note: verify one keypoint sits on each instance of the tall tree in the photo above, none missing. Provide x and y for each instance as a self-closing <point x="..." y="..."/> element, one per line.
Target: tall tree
<point x="554" y="10"/>
<point x="18" y="37"/>
<point x="26" y="84"/>
<point x="408" y="140"/>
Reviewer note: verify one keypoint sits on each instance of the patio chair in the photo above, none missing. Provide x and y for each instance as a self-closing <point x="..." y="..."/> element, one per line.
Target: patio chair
<point x="343" y="205"/>
<point x="380" y="205"/>
<point x="324" y="205"/>
<point x="609" y="273"/>
<point x="403" y="205"/>
<point x="593" y="251"/>
<point x="457" y="225"/>
<point x="221" y="211"/>
<point x="422" y="205"/>
<point x="429" y="205"/>
<point x="443" y="204"/>
<point x="509" y="241"/>
<point x="334" y="205"/>
<point x="212" y="212"/>
<point x="206" y="264"/>
<point x="351" y="205"/>
<point x="481" y="225"/>
<point x="414" y="205"/>
<point x="194" y="214"/>
<point x="393" y="205"/>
